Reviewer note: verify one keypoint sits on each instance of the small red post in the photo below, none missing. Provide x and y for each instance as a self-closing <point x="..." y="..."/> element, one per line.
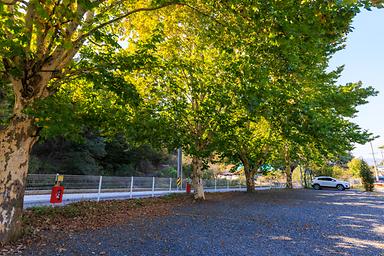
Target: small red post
<point x="188" y="188"/>
<point x="57" y="190"/>
<point x="57" y="194"/>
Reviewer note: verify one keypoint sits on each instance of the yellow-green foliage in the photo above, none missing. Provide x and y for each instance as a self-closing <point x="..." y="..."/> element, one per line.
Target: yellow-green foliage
<point x="354" y="167"/>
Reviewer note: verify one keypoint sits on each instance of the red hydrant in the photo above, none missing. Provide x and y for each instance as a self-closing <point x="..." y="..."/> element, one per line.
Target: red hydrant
<point x="188" y="188"/>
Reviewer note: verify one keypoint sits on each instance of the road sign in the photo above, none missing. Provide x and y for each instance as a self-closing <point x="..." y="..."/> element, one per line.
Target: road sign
<point x="178" y="182"/>
<point x="59" y="178"/>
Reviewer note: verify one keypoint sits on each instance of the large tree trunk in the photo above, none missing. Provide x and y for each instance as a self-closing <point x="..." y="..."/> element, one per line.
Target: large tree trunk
<point x="288" y="174"/>
<point x="249" y="176"/>
<point x="305" y="178"/>
<point x="250" y="181"/>
<point x="16" y="142"/>
<point x="197" y="178"/>
<point x="289" y="171"/>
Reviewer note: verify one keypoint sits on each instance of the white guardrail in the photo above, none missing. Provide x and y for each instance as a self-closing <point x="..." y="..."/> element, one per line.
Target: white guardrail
<point x="87" y="187"/>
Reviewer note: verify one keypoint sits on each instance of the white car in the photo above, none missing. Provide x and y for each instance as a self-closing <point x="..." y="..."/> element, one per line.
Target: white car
<point x="329" y="182"/>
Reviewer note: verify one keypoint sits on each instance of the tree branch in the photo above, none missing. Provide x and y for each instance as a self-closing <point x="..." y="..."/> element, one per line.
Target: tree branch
<point x="13" y="2"/>
<point x="82" y="37"/>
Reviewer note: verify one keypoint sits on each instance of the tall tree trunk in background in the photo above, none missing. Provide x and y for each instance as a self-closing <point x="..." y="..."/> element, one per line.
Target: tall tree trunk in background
<point x="288" y="171"/>
<point x="197" y="178"/>
<point x="305" y="178"/>
<point x="16" y="141"/>
<point x="301" y="176"/>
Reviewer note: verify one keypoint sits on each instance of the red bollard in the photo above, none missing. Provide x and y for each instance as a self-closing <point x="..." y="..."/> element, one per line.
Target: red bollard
<point x="57" y="194"/>
<point x="188" y="188"/>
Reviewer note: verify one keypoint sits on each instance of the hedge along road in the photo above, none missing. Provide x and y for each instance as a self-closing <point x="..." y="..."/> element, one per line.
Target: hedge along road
<point x="273" y="222"/>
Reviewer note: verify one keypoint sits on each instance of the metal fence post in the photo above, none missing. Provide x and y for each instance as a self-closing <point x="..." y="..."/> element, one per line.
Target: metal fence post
<point x="131" y="195"/>
<point x="227" y="184"/>
<point x="153" y="186"/>
<point x="239" y="183"/>
<point x="170" y="184"/>
<point x="98" y="194"/>
<point x="215" y="184"/>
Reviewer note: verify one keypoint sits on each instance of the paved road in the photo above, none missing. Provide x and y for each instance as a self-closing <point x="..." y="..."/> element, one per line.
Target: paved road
<point x="41" y="200"/>
<point x="273" y="222"/>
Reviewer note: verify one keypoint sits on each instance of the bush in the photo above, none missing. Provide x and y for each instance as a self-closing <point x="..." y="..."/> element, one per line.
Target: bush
<point x="366" y="176"/>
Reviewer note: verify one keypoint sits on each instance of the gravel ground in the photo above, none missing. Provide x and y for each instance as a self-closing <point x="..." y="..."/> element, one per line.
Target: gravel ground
<point x="275" y="222"/>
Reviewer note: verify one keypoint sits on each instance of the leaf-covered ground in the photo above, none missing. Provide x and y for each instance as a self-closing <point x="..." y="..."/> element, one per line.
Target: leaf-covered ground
<point x="275" y="222"/>
<point x="44" y="225"/>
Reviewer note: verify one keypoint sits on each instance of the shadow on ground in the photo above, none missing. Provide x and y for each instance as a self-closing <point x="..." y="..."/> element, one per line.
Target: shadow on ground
<point x="276" y="222"/>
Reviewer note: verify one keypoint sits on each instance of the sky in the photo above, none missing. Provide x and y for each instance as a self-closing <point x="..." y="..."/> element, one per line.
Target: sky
<point x="363" y="58"/>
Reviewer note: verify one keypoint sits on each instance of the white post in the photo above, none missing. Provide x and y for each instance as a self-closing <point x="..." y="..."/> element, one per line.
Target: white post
<point x="215" y="184"/>
<point x="131" y="194"/>
<point x="170" y="184"/>
<point x="227" y="184"/>
<point x="153" y="186"/>
<point x="98" y="194"/>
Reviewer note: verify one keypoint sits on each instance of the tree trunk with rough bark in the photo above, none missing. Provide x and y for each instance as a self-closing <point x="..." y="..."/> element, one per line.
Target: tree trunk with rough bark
<point x="288" y="174"/>
<point x="288" y="167"/>
<point x="305" y="178"/>
<point x="16" y="141"/>
<point x="197" y="178"/>
<point x="249" y="176"/>
<point x="250" y="181"/>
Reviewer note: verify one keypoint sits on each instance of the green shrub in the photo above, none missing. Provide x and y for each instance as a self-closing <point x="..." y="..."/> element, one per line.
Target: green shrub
<point x="366" y="176"/>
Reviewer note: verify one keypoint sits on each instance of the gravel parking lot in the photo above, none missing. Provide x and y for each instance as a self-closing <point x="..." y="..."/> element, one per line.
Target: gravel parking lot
<point x="275" y="222"/>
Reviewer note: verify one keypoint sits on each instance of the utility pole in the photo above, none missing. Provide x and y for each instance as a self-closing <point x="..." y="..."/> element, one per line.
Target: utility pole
<point x="374" y="161"/>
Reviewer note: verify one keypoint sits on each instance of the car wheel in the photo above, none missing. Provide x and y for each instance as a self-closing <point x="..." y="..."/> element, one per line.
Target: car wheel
<point x="316" y="186"/>
<point x="340" y="187"/>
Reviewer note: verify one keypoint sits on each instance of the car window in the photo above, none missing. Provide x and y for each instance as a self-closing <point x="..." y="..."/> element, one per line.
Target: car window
<point x="322" y="178"/>
<point x="328" y="179"/>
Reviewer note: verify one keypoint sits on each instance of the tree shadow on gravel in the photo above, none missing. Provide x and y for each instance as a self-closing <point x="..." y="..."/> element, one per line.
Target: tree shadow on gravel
<point x="359" y="222"/>
<point x="274" y="222"/>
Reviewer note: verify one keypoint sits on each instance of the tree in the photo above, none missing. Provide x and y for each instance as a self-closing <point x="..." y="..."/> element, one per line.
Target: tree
<point x="186" y="94"/>
<point x="326" y="128"/>
<point x="249" y="142"/>
<point x="366" y="176"/>
<point x="354" y="167"/>
<point x="39" y="41"/>
<point x="286" y="82"/>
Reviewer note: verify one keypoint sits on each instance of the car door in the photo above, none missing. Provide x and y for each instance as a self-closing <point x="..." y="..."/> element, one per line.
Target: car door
<point x="329" y="182"/>
<point x="332" y="183"/>
<point x="323" y="182"/>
